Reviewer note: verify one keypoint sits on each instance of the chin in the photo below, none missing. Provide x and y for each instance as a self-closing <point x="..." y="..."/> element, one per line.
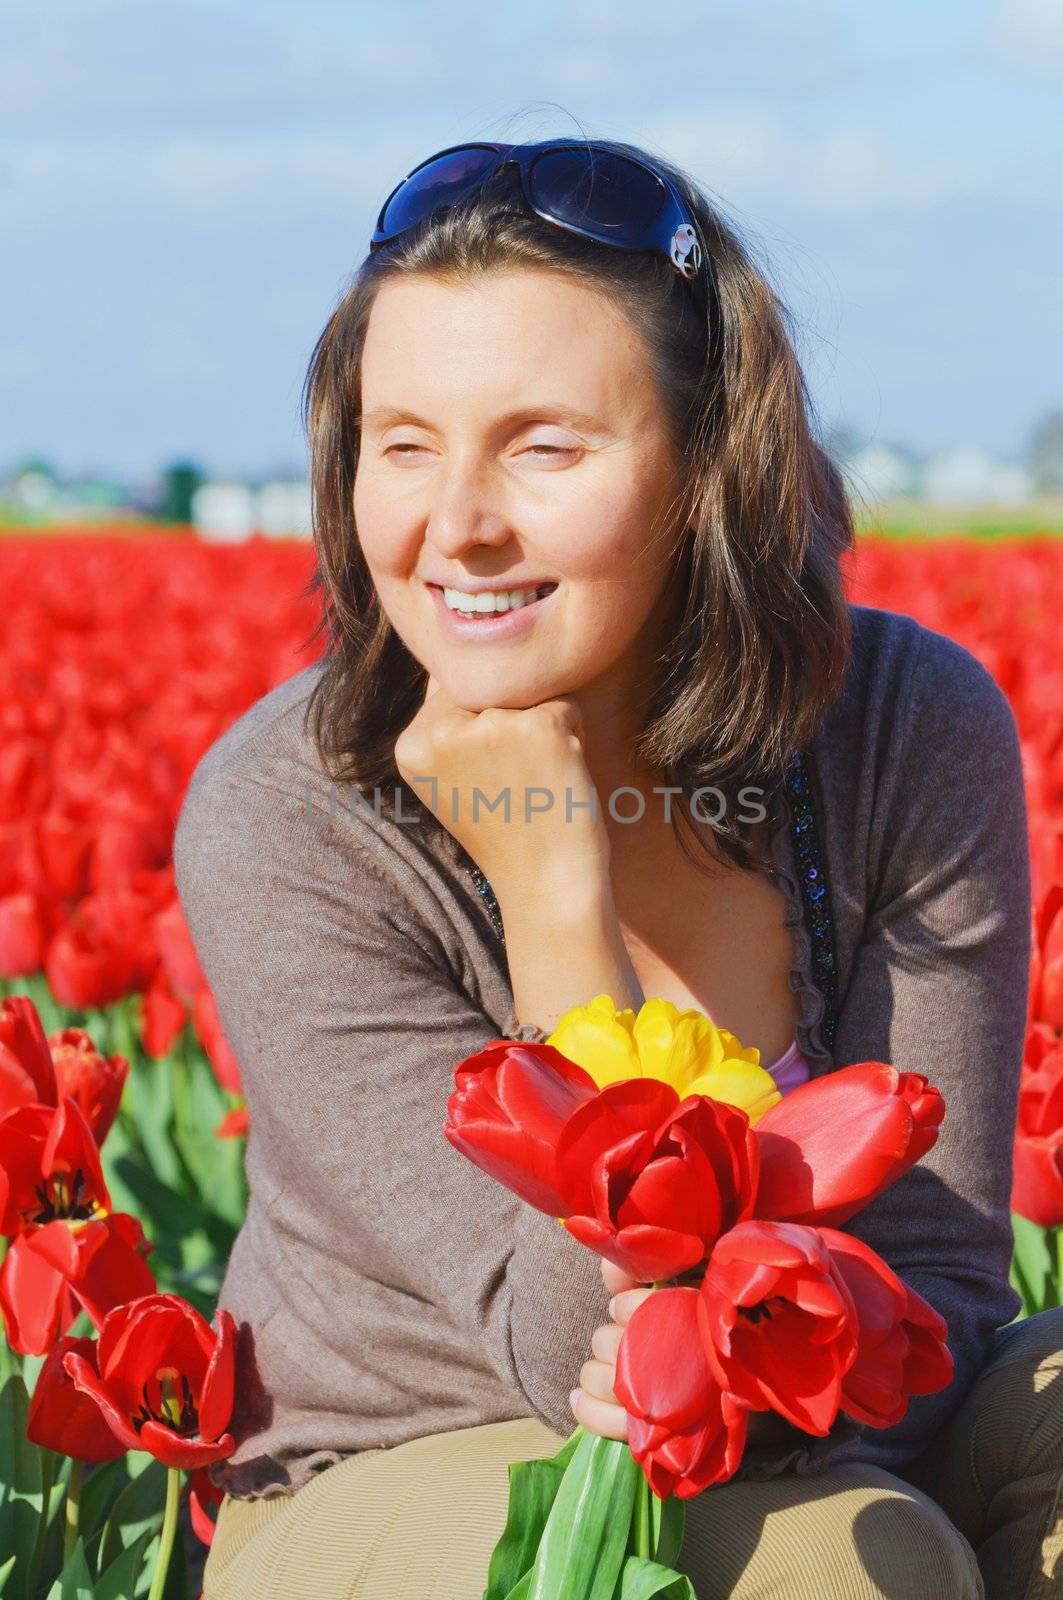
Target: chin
<point x="508" y="693"/>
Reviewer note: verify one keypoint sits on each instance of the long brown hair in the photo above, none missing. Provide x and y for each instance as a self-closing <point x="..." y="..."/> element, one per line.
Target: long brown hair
<point x="763" y="631"/>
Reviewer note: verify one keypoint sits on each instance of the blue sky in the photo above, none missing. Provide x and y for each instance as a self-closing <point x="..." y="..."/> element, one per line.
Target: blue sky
<point x="185" y="188"/>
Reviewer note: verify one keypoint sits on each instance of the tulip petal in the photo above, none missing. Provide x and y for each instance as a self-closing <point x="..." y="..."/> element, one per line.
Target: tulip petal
<point x="662" y="1371"/>
<point x="834" y="1143"/>
<point x="216" y="1395"/>
<point x="178" y="1450"/>
<point x="34" y="1298"/>
<point x="86" y="1379"/>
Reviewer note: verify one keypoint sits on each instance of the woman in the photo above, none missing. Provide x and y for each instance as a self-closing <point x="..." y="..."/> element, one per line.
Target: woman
<point x="702" y="775"/>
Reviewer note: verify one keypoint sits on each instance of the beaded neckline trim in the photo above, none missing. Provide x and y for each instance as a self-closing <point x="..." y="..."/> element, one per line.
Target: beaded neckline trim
<point x="815" y="893"/>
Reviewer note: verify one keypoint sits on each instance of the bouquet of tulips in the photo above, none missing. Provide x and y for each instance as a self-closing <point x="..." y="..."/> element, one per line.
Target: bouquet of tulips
<point x="664" y="1146"/>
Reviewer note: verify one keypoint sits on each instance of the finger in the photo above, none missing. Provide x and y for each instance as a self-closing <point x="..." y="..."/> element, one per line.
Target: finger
<point x="623" y="1306"/>
<point x="599" y="1416"/>
<point x="615" y="1278"/>
<point x="605" y="1341"/>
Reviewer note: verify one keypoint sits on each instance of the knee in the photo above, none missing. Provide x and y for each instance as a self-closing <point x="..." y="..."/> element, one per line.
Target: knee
<point x="856" y="1531"/>
<point x="1017" y="1401"/>
<point x="905" y="1546"/>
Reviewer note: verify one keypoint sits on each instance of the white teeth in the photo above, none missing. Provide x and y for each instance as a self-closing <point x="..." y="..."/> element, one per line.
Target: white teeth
<point x="503" y="600"/>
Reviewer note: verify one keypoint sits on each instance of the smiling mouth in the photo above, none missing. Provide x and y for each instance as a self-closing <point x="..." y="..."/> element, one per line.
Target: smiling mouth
<point x="475" y="612"/>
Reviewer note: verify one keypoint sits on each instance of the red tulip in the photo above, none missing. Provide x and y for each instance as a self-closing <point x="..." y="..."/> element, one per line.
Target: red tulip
<point x="27" y="1073"/>
<point x="778" y="1322"/>
<point x="203" y="1494"/>
<point x="51" y="1272"/>
<point x="645" y="1180"/>
<point x="234" y="1124"/>
<point x="211" y="1037"/>
<point x="507" y="1111"/>
<point x="67" y="1248"/>
<point x="1037" y="1185"/>
<point x="62" y="1419"/>
<point x="685" y="1432"/>
<point x="163" y="1017"/>
<point x="163" y="1379"/>
<point x="179" y="959"/>
<point x="93" y="1080"/>
<point x="53" y="1168"/>
<point x="65" y="833"/>
<point x="831" y="1145"/>
<point x="652" y="1181"/>
<point x="1046" y="998"/>
<point x="84" y="968"/>
<point x="22" y="935"/>
<point x="901" y="1348"/>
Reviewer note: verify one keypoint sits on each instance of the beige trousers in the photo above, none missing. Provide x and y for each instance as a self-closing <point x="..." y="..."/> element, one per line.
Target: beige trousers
<point x="980" y="1514"/>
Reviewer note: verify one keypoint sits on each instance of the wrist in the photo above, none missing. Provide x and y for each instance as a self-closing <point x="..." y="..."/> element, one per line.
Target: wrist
<point x="568" y="896"/>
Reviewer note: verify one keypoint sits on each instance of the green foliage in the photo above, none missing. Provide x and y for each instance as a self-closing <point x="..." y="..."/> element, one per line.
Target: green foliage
<point x="21" y="1498"/>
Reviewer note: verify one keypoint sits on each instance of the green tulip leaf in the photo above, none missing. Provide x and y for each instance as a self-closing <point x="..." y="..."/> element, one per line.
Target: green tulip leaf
<point x="585" y="1541"/>
<point x="533" y="1486"/>
<point x="119" y="1582"/>
<point x="138" y="1508"/>
<point x="668" y="1524"/>
<point x="75" y="1580"/>
<point x="21" y="1495"/>
<point x="1033" y="1264"/>
<point x="648" y="1580"/>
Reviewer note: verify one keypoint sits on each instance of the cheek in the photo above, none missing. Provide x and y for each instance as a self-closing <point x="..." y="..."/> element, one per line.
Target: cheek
<point x="383" y="535"/>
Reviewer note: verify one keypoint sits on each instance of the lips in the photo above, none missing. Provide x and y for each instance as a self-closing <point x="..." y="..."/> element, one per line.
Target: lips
<point x="489" y="625"/>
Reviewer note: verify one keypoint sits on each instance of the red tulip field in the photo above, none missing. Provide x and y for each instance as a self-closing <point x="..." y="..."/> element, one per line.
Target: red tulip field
<point x="122" y="1127"/>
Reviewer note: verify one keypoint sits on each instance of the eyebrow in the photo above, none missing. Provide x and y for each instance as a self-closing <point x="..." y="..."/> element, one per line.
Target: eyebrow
<point x="549" y="410"/>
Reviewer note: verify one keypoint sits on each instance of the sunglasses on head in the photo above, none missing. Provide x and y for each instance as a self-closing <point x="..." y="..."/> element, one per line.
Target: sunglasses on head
<point x="581" y="187"/>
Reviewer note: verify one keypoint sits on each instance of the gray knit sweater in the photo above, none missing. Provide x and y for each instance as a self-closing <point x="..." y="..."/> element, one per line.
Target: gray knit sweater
<point x="386" y="1288"/>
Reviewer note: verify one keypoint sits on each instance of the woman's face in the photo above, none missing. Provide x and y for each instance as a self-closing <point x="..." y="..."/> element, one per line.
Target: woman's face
<point x="512" y="437"/>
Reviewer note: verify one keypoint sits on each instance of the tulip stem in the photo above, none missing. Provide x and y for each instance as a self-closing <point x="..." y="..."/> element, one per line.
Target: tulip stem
<point x="48" y="1460"/>
<point x="642" y="1517"/>
<point x="125" y="1029"/>
<point x="179" y="1078"/>
<point x="73" y="1508"/>
<point x="1059" y="1265"/>
<point x="169" y="1528"/>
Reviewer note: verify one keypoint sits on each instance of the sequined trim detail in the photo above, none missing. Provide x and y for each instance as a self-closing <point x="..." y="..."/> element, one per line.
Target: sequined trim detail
<point x="815" y="891"/>
<point x="487" y="894"/>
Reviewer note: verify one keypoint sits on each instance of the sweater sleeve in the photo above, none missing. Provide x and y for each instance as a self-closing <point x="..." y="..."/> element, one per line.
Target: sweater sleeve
<point x="939" y="986"/>
<point x="347" y="1021"/>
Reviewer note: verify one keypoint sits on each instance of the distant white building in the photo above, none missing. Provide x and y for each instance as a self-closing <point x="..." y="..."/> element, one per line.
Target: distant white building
<point x="878" y="472"/>
<point x="224" y="512"/>
<point x="231" y="511"/>
<point x="972" y="476"/>
<point x="284" y="509"/>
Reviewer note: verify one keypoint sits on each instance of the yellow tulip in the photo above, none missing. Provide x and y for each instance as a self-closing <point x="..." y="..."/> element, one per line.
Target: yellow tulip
<point x="683" y="1048"/>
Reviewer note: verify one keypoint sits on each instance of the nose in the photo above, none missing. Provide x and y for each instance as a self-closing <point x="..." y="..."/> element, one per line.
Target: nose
<point x="464" y="512"/>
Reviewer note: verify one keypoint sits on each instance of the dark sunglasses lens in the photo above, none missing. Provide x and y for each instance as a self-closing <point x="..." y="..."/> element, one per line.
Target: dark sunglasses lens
<point x="596" y="191"/>
<point x="439" y="183"/>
